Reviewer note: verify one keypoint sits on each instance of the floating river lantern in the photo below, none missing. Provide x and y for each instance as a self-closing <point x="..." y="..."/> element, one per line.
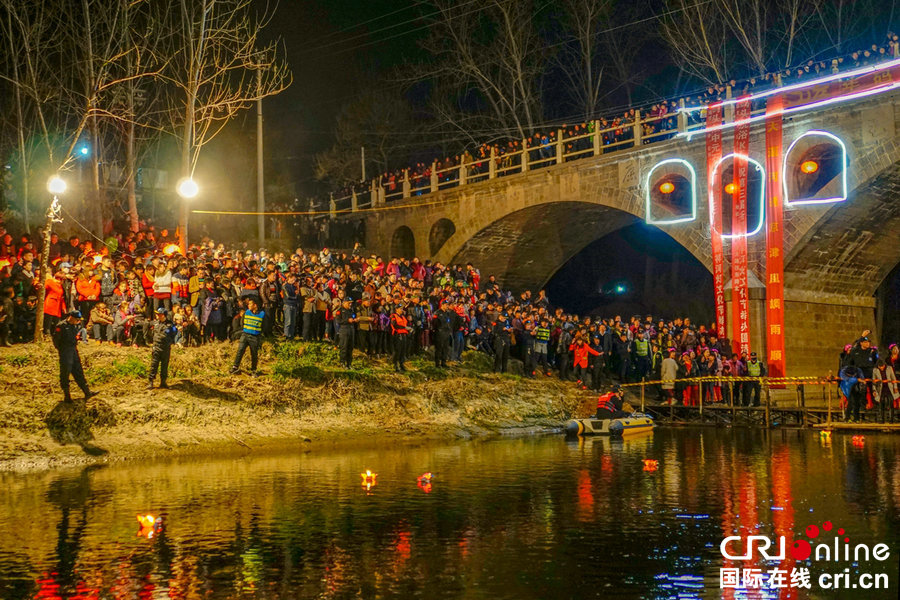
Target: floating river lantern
<point x="369" y="479"/>
<point x="650" y="464"/>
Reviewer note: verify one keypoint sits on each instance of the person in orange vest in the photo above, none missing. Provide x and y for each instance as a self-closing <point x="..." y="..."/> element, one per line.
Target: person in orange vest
<point x="580" y="361"/>
<point x="400" y="333"/>
<point x="609" y="405"/>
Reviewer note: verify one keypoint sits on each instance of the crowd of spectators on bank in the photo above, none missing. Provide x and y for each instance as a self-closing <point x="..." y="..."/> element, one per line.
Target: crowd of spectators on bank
<point x="395" y="308"/>
<point x="205" y="294"/>
<point x="659" y="121"/>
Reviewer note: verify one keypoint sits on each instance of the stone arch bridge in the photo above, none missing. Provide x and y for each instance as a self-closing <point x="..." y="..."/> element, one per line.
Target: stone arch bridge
<point x="524" y="226"/>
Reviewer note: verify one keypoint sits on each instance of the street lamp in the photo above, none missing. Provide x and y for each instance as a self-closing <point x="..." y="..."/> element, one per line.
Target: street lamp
<point x="56" y="185"/>
<point x="187" y="189"/>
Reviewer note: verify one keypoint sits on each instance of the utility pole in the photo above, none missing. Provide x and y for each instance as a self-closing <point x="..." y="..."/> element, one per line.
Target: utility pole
<point x="260" y="186"/>
<point x="363" y="161"/>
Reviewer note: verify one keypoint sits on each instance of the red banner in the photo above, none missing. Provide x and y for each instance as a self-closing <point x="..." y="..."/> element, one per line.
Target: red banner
<point x="740" y="300"/>
<point x="774" y="241"/>
<point x="713" y="155"/>
<point x="861" y="84"/>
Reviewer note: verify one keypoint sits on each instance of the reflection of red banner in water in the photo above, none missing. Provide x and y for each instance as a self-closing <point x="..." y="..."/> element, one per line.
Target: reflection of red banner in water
<point x="585" y="496"/>
<point x="783" y="505"/>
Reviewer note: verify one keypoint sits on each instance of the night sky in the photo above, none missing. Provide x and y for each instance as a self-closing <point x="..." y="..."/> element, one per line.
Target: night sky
<point x="334" y="56"/>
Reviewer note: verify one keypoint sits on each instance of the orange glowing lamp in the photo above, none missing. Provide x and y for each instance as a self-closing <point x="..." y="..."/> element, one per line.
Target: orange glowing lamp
<point x="730" y="188"/>
<point x="369" y="479"/>
<point x="858" y="440"/>
<point x="651" y="464"/>
<point x="171" y="249"/>
<point x="809" y="166"/>
<point x="667" y="187"/>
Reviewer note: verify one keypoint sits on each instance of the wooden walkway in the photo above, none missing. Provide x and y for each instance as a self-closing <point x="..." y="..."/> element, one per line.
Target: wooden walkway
<point x="768" y="416"/>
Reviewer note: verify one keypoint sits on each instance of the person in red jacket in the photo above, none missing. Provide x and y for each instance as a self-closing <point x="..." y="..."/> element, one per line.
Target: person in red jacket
<point x="580" y="362"/>
<point x="54" y="301"/>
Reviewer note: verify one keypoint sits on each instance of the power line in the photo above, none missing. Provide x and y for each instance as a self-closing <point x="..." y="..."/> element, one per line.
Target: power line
<point x="372" y="20"/>
<point x="394" y="26"/>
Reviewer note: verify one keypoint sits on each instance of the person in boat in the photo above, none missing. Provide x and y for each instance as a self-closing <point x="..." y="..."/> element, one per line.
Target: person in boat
<point x="609" y="405"/>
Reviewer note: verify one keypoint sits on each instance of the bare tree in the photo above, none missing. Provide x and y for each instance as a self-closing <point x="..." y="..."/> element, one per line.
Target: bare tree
<point x="492" y="50"/>
<point x="218" y="67"/>
<point x="697" y="37"/>
<point x="581" y="59"/>
<point x="382" y="122"/>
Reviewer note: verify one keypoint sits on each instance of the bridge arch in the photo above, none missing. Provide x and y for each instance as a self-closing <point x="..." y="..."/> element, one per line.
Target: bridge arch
<point x="440" y="232"/>
<point x="524" y="248"/>
<point x="403" y="242"/>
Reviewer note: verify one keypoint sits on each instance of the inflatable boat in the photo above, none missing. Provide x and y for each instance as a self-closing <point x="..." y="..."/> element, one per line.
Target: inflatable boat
<point x="634" y="423"/>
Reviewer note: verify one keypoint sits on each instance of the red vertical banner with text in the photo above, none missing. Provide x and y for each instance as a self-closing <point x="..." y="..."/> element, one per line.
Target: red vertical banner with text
<point x="740" y="298"/>
<point x="774" y="240"/>
<point x="713" y="155"/>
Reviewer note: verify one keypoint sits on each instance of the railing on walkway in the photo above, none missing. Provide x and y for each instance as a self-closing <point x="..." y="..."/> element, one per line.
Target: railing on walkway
<point x="640" y="131"/>
<point x="806" y="401"/>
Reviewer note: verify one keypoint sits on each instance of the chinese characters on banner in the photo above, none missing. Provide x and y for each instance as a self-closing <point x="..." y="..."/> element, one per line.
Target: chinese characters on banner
<point x="713" y="155"/>
<point x="740" y="299"/>
<point x="774" y="240"/>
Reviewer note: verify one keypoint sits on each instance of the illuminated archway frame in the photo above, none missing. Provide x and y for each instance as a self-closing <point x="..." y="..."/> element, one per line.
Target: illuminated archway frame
<point x="648" y="201"/>
<point x="762" y="196"/>
<point x="844" y="165"/>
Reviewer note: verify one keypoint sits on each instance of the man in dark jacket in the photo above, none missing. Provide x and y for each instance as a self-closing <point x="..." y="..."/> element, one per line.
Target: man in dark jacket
<point x="501" y="340"/>
<point x="346" y="321"/>
<point x="66" y="342"/>
<point x="443" y="330"/>
<point x="162" y="334"/>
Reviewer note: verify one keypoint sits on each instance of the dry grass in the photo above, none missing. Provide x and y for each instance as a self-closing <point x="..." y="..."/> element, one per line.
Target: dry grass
<point x="303" y="393"/>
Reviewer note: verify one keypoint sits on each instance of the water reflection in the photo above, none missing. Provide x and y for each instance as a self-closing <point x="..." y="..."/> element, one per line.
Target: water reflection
<point x="524" y="518"/>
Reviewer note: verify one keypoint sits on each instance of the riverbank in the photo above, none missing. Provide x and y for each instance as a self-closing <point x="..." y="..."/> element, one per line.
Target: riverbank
<point x="303" y="398"/>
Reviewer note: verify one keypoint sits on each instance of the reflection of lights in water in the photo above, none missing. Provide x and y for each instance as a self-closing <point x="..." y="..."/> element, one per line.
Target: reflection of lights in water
<point x="251" y="568"/>
<point x="585" y="496"/>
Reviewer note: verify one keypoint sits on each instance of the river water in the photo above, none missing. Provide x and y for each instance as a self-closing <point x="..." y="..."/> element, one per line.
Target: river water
<point x="517" y="518"/>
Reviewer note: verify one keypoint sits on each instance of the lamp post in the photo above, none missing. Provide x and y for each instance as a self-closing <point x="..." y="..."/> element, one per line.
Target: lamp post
<point x="188" y="190"/>
<point x="57" y="187"/>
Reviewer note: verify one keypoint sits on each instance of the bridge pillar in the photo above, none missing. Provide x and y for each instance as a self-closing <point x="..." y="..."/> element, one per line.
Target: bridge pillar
<point x="816" y="325"/>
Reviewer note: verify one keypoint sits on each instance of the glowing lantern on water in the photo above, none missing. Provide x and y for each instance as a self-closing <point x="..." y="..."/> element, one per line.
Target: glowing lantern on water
<point x="858" y="440"/>
<point x="730" y="188"/>
<point x="171" y="249"/>
<point x="809" y="166"/>
<point x="368" y="479"/>
<point x="650" y="464"/>
<point x="423" y="482"/>
<point x="149" y="525"/>
<point x="667" y="187"/>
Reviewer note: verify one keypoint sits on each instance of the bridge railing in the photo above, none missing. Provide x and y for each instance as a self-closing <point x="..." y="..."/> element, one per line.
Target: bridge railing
<point x="593" y="139"/>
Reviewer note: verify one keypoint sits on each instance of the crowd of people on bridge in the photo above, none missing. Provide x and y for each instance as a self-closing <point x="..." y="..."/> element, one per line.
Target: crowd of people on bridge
<point x="658" y="122"/>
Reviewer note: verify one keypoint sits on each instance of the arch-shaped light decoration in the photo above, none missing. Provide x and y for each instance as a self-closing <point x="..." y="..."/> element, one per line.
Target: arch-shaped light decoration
<point x="762" y="195"/>
<point x="784" y="169"/>
<point x="649" y="189"/>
